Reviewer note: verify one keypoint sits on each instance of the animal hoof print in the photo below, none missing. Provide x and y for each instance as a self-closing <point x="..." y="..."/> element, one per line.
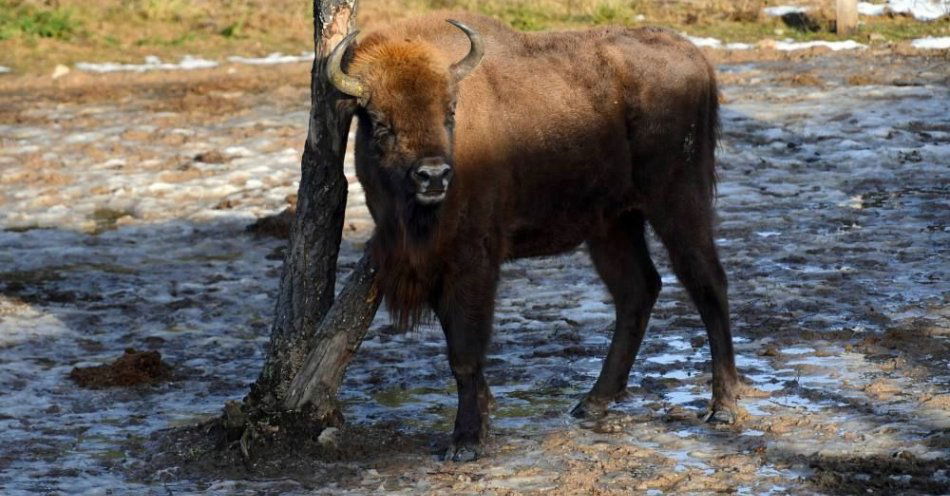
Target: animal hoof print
<point x="462" y="454"/>
<point x="587" y="410"/>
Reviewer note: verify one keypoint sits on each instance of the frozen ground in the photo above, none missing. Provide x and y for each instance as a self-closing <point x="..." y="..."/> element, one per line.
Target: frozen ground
<point x="123" y="214"/>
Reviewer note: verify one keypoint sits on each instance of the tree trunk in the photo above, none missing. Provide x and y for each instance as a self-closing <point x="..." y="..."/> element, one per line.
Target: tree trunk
<point x="309" y="275"/>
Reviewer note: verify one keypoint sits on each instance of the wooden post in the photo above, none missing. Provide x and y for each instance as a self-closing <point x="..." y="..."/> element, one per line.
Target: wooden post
<point x="846" y="19"/>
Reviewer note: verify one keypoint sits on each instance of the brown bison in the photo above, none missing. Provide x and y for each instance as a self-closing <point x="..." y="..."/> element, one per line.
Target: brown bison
<point x="477" y="144"/>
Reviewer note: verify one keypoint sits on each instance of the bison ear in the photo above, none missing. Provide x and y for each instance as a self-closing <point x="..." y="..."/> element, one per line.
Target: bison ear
<point x="464" y="67"/>
<point x="340" y="80"/>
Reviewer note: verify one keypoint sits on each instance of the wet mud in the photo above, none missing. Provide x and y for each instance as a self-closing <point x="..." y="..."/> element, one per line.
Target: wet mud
<point x="124" y="208"/>
<point x="131" y="369"/>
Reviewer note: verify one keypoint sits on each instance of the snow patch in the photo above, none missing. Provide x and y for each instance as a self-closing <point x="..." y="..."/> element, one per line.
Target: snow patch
<point x="274" y="58"/>
<point x="870" y="9"/>
<point x="780" y="10"/>
<point x="932" y="43"/>
<point x="738" y="46"/>
<point x="152" y="63"/>
<point x="704" y="42"/>
<point x="922" y="10"/>
<point x="714" y="43"/>
<point x="188" y="62"/>
<point x="4" y="69"/>
<point x="788" y="45"/>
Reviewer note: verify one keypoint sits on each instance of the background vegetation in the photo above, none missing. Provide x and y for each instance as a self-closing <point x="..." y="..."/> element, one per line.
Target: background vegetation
<point x="37" y="34"/>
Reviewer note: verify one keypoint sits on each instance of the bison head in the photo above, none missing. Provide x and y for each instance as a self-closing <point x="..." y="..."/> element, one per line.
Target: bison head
<point x="406" y="93"/>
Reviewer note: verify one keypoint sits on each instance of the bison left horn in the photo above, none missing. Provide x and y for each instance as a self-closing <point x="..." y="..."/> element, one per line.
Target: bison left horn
<point x="340" y="80"/>
<point x="464" y="67"/>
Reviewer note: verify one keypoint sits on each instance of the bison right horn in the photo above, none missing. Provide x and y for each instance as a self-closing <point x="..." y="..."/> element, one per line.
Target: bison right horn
<point x="464" y="67"/>
<point x="340" y="80"/>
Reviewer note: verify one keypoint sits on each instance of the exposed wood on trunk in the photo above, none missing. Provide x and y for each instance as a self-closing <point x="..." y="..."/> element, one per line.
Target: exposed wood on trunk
<point x="338" y="338"/>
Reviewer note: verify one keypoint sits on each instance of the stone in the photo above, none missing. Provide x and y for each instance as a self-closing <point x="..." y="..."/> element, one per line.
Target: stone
<point x="59" y="71"/>
<point x="329" y="438"/>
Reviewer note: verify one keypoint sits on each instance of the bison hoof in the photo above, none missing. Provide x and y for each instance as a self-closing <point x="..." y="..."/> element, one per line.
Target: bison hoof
<point x="589" y="409"/>
<point x="462" y="453"/>
<point x="719" y="413"/>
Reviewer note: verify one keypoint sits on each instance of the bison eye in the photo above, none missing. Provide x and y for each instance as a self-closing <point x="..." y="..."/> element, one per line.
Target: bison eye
<point x="381" y="130"/>
<point x="383" y="135"/>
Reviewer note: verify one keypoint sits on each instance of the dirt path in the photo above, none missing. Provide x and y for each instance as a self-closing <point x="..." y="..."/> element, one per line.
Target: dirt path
<point x="124" y="204"/>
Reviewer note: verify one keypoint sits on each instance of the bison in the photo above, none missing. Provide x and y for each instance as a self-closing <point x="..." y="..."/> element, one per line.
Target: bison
<point x="478" y="144"/>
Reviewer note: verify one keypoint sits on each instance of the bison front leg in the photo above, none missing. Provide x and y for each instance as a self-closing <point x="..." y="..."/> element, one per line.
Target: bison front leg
<point x="465" y="311"/>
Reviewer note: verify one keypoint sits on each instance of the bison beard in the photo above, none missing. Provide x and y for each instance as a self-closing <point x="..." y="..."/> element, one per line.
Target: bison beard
<point x="562" y="139"/>
<point x="406" y="277"/>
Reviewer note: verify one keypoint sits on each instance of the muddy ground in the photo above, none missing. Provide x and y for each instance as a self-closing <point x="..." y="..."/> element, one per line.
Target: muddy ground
<point x="124" y="201"/>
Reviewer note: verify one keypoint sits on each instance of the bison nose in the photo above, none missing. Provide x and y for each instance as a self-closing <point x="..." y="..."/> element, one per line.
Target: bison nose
<point x="431" y="178"/>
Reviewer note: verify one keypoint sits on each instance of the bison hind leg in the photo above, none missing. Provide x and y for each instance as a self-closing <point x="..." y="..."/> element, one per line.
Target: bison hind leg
<point x="684" y="224"/>
<point x="623" y="262"/>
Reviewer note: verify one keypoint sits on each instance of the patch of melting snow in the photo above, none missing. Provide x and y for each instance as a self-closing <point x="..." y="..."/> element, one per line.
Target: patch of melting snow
<point x="932" y="43"/>
<point x="795" y="401"/>
<point x="789" y="45"/>
<point x="665" y="359"/>
<point x="871" y="9"/>
<point x="766" y="382"/>
<point x="798" y="350"/>
<point x="922" y="10"/>
<point x="780" y="10"/>
<point x="152" y="63"/>
<point x="188" y="62"/>
<point x="677" y="343"/>
<point x="682" y="397"/>
<point x="715" y="43"/>
<point x="273" y="58"/>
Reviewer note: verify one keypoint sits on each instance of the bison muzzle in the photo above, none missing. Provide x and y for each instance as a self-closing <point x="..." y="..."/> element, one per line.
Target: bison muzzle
<point x="477" y="144"/>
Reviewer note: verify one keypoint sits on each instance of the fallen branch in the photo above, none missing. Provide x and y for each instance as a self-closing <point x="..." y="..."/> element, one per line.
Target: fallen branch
<point x="339" y="336"/>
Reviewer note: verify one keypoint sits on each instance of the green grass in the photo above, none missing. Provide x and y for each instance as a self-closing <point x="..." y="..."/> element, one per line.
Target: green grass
<point x="902" y="28"/>
<point x="21" y="20"/>
<point x="158" y="41"/>
<point x="234" y="30"/>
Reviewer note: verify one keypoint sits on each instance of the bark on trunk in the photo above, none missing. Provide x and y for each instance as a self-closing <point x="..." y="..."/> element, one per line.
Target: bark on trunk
<point x="309" y="275"/>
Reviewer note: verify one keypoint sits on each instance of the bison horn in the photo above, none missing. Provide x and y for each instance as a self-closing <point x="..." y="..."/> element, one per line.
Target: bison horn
<point x="340" y="80"/>
<point x="464" y="67"/>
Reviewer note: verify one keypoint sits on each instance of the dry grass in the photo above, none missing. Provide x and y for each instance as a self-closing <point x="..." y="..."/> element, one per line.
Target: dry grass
<point x="35" y="35"/>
